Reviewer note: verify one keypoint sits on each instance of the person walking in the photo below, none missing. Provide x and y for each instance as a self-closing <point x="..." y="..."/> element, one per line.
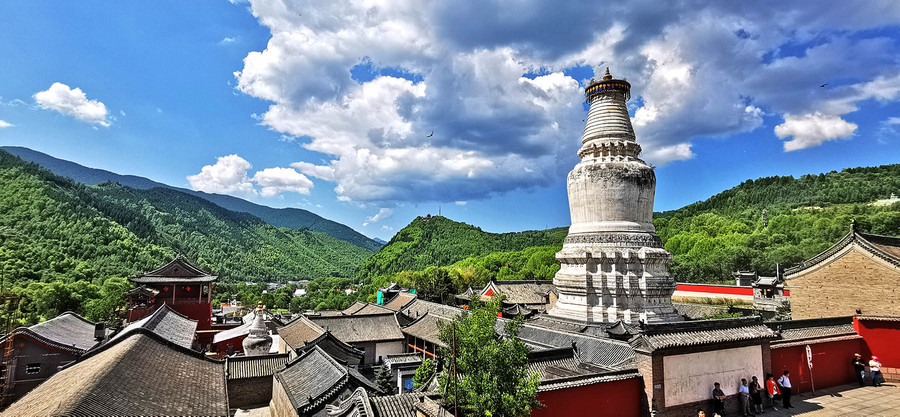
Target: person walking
<point x="756" y="391"/>
<point x="744" y="392"/>
<point x="875" y="367"/>
<point x="785" y="384"/>
<point x="718" y="399"/>
<point x="772" y="390"/>
<point x="859" y="368"/>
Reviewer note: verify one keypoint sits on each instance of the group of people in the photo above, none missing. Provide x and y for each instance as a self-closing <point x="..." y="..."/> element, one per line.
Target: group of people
<point x="753" y="392"/>
<point x="859" y="367"/>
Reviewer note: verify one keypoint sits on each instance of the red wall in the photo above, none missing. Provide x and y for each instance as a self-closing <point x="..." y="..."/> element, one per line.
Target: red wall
<point x="882" y="339"/>
<point x="831" y="364"/>
<point x="237" y="343"/>
<point x="715" y="289"/>
<point x="201" y="312"/>
<point x="619" y="398"/>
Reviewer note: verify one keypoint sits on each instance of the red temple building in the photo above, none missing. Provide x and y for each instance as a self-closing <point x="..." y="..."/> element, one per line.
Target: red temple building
<point x="179" y="284"/>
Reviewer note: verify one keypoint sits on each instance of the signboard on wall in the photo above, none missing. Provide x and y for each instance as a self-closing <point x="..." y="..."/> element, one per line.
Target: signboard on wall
<point x="690" y="377"/>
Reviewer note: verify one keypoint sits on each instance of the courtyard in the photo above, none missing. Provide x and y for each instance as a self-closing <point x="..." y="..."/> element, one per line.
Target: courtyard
<point x="844" y="400"/>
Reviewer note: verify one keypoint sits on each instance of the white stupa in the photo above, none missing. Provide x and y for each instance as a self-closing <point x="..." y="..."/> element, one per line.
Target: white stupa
<point x="613" y="265"/>
<point x="259" y="341"/>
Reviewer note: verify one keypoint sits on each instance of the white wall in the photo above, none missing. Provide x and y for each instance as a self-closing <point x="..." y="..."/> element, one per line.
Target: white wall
<point x="690" y="377"/>
<point x="388" y="348"/>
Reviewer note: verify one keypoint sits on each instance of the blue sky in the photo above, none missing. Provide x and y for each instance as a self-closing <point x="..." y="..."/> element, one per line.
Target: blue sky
<point x="327" y="105"/>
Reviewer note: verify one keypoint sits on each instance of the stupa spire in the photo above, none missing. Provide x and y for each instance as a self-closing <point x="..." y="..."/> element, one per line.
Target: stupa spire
<point x="613" y="265"/>
<point x="608" y="134"/>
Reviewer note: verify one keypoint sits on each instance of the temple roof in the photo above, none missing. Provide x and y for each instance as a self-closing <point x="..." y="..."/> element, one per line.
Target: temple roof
<point x="300" y="331"/>
<point x="356" y="405"/>
<point x="141" y="374"/>
<point x="142" y="291"/>
<point x="232" y="333"/>
<point x="165" y="322"/>
<point x="884" y="248"/>
<point x="360" y="308"/>
<point x="357" y="329"/>
<point x="241" y="367"/>
<point x="399" y="405"/>
<point x="596" y="350"/>
<point x="426" y="328"/>
<point x="790" y="331"/>
<point x="67" y="331"/>
<point x="315" y="378"/>
<point x="400" y="301"/>
<point x="178" y="270"/>
<point x="418" y="308"/>
<point x="521" y="291"/>
<point x="702" y="332"/>
<point x="562" y="368"/>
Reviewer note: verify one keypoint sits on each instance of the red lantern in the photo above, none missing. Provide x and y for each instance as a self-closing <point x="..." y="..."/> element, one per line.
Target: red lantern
<point x="165" y="288"/>
<point x="187" y="288"/>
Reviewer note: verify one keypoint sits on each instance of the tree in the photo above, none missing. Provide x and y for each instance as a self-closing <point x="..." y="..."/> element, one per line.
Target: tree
<point x="491" y="370"/>
<point x="424" y="373"/>
<point x="383" y="380"/>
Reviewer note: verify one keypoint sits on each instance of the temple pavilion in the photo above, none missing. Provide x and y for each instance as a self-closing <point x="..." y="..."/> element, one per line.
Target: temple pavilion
<point x="179" y="284"/>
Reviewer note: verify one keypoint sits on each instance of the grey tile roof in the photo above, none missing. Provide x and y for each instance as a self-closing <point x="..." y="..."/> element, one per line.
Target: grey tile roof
<point x="238" y="331"/>
<point x="141" y="374"/>
<point x="400" y="405"/>
<point x="561" y="368"/>
<point x="426" y="328"/>
<point x="314" y="378"/>
<point x="702" y="332"/>
<point x="887" y="248"/>
<point x="167" y="323"/>
<point x="342" y="352"/>
<point x="67" y="330"/>
<point x="240" y="367"/>
<point x="177" y="270"/>
<point x="797" y="330"/>
<point x="432" y="408"/>
<point x="361" y="309"/>
<point x="356" y="405"/>
<point x="358" y="329"/>
<point x="300" y="331"/>
<point x="591" y="349"/>
<point x="401" y="300"/>
<point x="531" y="292"/>
<point x="419" y="308"/>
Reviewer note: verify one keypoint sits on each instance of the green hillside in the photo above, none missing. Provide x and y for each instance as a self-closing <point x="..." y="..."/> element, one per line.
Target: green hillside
<point x="709" y="239"/>
<point x="803" y="216"/>
<point x="292" y="218"/>
<point x="64" y="238"/>
<point x="439" y="241"/>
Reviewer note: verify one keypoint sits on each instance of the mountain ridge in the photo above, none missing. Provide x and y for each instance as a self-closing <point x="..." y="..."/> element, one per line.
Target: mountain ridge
<point x="292" y="218"/>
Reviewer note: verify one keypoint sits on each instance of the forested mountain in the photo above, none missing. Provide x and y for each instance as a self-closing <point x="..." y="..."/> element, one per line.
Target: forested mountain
<point x="63" y="237"/>
<point x="439" y="241"/>
<point x="776" y="221"/>
<point x="709" y="239"/>
<point x="292" y="218"/>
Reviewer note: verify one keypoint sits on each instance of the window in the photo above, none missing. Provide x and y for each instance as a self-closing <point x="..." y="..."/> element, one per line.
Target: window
<point x="33" y="368"/>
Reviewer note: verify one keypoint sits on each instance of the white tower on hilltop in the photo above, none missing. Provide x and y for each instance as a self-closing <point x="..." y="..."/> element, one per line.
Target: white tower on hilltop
<point x="613" y="265"/>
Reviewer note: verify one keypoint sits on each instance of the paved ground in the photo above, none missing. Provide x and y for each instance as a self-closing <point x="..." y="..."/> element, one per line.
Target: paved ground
<point x="846" y="400"/>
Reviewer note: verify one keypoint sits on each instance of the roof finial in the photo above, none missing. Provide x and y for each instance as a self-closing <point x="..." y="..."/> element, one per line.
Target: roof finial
<point x="853" y="225"/>
<point x="259" y="306"/>
<point x="607" y="76"/>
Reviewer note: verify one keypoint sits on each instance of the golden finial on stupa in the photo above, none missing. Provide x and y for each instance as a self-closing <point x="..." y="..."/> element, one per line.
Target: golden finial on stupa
<point x="607" y="76"/>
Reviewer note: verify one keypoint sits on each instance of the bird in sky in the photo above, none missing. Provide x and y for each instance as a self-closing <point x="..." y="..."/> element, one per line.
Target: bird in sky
<point x="430" y="135"/>
<point x="823" y="85"/>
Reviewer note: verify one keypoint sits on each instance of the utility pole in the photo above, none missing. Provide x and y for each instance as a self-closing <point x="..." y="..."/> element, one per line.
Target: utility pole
<point x="455" y="387"/>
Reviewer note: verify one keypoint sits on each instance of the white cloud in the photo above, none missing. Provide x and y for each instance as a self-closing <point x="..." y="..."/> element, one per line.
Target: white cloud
<point x="705" y="69"/>
<point x="893" y="120"/>
<point x="461" y="203"/>
<point x="387" y="228"/>
<point x="275" y="181"/>
<point x="382" y="214"/>
<point x="5" y="124"/>
<point x="227" y="40"/>
<point x="812" y="130"/>
<point x="227" y="176"/>
<point x="73" y="102"/>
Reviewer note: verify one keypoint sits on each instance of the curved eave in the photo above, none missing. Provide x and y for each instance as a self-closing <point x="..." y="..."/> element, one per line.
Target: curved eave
<point x="843" y="246"/>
